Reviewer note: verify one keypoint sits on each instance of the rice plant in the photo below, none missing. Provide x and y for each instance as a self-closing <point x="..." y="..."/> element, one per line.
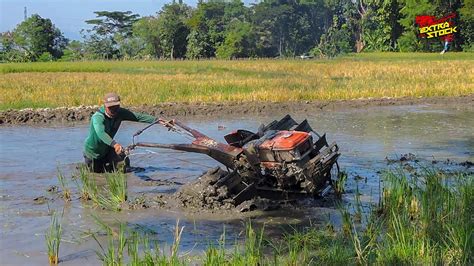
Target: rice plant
<point x="53" y="239"/>
<point x="178" y="232"/>
<point x="216" y="255"/>
<point x="113" y="253"/>
<point x="109" y="197"/>
<point x="66" y="192"/>
<point x="358" y="205"/>
<point x="425" y="219"/>
<point x="374" y="75"/>
<point x="114" y="194"/>
<point x="126" y="246"/>
<point x="86" y="184"/>
<point x="339" y="184"/>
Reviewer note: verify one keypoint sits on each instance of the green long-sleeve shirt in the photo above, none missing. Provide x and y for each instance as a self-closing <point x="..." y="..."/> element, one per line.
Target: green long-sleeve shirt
<point x="103" y="129"/>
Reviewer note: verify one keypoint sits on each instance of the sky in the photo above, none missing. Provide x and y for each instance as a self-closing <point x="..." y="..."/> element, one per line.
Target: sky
<point x="69" y="15"/>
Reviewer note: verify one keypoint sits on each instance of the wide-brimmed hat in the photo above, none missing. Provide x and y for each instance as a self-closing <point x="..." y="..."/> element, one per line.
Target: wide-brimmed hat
<point x="111" y="99"/>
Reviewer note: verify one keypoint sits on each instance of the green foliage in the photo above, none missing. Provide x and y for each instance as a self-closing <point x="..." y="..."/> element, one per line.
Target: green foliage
<point x="380" y="26"/>
<point x="288" y="28"/>
<point x="109" y="23"/>
<point x="113" y="253"/>
<point x="74" y="51"/>
<point x="199" y="45"/>
<point x="33" y="38"/>
<point x="239" y="42"/>
<point x="337" y="40"/>
<point x="207" y="29"/>
<point x="45" y="57"/>
<point x="230" y="29"/>
<point x="423" y="219"/>
<point x="427" y="219"/>
<point x="85" y="184"/>
<point x="123" y="243"/>
<point x="97" y="47"/>
<point x="173" y="30"/>
<point x="409" y="41"/>
<point x="466" y="13"/>
<point x="9" y="52"/>
<point x="147" y="30"/>
<point x="109" y="33"/>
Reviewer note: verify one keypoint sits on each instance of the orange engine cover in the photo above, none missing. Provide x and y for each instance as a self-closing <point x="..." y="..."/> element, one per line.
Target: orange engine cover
<point x="285" y="140"/>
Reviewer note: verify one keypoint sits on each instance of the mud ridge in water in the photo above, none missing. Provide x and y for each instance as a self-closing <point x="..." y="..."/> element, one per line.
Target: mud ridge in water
<point x="201" y="195"/>
<point x="83" y="113"/>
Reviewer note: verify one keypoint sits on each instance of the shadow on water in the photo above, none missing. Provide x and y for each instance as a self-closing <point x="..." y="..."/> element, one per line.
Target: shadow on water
<point x="145" y="173"/>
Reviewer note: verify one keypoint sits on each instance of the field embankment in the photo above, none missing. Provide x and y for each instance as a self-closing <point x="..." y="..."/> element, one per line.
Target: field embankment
<point x="180" y="110"/>
<point x="394" y="75"/>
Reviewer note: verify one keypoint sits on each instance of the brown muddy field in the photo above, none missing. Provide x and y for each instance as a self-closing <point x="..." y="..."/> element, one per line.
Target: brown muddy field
<point x="83" y="113"/>
<point x="167" y="186"/>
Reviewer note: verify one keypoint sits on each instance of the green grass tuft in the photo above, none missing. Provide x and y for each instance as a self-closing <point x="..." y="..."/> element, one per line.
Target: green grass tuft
<point x="53" y="239"/>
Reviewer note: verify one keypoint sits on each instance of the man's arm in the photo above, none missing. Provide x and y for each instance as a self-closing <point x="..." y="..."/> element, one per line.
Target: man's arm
<point x="99" y="128"/>
<point x="135" y="116"/>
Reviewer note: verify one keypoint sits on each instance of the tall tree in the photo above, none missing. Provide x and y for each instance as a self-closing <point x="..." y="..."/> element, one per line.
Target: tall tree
<point x="173" y="29"/>
<point x="113" y="22"/>
<point x="36" y="36"/>
<point x="207" y="29"/>
<point x="378" y="25"/>
<point x="410" y="9"/>
<point x="239" y="41"/>
<point x="288" y="28"/>
<point x="466" y="26"/>
<point x="148" y="30"/>
<point x="340" y="24"/>
<point x="109" y="30"/>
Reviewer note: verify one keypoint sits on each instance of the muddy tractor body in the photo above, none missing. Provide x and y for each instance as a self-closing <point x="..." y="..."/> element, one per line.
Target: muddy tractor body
<point x="282" y="160"/>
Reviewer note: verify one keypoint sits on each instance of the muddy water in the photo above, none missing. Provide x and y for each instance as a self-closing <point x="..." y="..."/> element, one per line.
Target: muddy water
<point x="30" y="157"/>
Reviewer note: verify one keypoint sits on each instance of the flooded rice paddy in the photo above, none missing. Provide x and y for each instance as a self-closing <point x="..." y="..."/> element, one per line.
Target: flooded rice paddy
<point x="30" y="156"/>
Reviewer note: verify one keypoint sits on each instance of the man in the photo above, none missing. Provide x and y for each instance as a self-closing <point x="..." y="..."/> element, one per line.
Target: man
<point x="101" y="152"/>
<point x="446" y="46"/>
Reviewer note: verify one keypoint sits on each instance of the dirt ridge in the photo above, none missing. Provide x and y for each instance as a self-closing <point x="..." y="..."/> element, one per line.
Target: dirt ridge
<point x="176" y="110"/>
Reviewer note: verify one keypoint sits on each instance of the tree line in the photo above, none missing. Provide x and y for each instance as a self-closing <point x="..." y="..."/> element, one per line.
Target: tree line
<point x="229" y="29"/>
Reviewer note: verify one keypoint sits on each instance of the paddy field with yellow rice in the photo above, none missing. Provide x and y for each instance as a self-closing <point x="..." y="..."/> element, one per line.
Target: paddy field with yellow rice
<point x="369" y="75"/>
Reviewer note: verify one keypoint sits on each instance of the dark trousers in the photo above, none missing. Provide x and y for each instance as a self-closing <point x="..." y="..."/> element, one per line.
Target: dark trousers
<point x="109" y="163"/>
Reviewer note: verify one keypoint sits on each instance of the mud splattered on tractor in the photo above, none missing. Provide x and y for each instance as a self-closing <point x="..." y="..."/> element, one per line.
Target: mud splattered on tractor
<point x="283" y="160"/>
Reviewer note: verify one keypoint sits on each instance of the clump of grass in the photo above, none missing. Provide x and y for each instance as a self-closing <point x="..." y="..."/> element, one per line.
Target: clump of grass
<point x="216" y="255"/>
<point x="178" y="232"/>
<point x="250" y="252"/>
<point x="125" y="246"/>
<point x="110" y="197"/>
<point x="66" y="192"/>
<point x="115" y="194"/>
<point x="113" y="253"/>
<point x="86" y="185"/>
<point x="253" y="247"/>
<point x="117" y="186"/>
<point x="358" y="205"/>
<point x="428" y="219"/>
<point x="53" y="239"/>
<point x="339" y="184"/>
<point x="311" y="246"/>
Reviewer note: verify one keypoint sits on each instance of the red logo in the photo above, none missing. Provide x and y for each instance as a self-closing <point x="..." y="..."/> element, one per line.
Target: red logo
<point x="443" y="28"/>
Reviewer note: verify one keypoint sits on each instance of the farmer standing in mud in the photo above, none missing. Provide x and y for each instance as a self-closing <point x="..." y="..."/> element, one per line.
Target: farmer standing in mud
<point x="101" y="151"/>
